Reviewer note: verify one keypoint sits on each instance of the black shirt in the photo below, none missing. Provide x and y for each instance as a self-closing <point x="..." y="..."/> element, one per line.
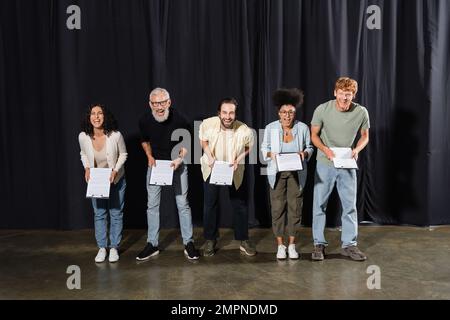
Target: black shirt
<point x="159" y="133"/>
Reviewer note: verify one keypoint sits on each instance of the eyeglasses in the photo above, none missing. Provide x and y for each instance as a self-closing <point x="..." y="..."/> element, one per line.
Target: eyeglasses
<point x="290" y="113"/>
<point x="159" y="103"/>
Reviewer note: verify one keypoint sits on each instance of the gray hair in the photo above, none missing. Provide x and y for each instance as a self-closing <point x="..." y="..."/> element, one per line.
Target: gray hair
<point x="158" y="91"/>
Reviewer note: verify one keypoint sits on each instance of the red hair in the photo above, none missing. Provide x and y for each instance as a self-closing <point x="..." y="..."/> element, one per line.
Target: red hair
<point x="346" y="84"/>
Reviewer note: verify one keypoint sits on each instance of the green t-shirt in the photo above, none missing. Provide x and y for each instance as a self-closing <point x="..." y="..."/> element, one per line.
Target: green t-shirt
<point x="339" y="129"/>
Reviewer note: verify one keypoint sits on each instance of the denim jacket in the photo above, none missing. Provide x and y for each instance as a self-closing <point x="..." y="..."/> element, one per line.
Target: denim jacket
<point x="273" y="139"/>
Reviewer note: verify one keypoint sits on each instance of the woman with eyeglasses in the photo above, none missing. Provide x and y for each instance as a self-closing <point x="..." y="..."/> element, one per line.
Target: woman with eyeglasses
<point x="286" y="136"/>
<point x="102" y="146"/>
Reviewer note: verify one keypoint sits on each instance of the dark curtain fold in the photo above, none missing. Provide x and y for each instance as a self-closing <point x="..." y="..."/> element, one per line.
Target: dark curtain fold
<point x="202" y="51"/>
<point x="438" y="89"/>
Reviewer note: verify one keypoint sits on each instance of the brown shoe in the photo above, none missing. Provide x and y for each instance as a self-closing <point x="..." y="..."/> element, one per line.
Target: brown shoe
<point x="354" y="253"/>
<point x="318" y="253"/>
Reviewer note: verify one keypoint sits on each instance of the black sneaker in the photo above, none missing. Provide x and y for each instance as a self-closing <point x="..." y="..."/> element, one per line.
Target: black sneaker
<point x="149" y="251"/>
<point x="209" y="250"/>
<point x="248" y="248"/>
<point x="190" y="252"/>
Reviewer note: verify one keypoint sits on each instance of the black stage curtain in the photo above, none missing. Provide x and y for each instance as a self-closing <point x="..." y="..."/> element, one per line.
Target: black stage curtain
<point x="202" y="51"/>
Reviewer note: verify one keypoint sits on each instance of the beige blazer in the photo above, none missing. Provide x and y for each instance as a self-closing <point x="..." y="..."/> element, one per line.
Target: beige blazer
<point x="116" y="152"/>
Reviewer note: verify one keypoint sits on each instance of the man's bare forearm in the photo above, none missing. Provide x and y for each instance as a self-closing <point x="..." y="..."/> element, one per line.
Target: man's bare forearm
<point x="205" y="147"/>
<point x="147" y="149"/>
<point x="317" y="142"/>
<point x="362" y="142"/>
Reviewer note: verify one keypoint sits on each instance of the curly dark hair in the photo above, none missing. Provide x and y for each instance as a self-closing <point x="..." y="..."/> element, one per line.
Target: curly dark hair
<point x="292" y="96"/>
<point x="109" y="124"/>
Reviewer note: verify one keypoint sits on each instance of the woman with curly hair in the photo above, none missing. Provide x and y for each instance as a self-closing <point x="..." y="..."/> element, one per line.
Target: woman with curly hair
<point x="102" y="146"/>
<point x="286" y="135"/>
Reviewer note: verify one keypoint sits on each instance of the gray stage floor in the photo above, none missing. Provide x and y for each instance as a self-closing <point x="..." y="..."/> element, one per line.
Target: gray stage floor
<point x="414" y="263"/>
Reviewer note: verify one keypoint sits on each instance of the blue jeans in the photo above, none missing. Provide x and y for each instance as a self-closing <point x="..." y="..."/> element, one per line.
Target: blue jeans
<point x="115" y="206"/>
<point x="180" y="185"/>
<point x="325" y="179"/>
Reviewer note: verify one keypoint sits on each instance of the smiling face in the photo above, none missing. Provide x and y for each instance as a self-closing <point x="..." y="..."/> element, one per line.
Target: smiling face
<point x="160" y="103"/>
<point x="345" y="91"/>
<point x="286" y="115"/>
<point x="227" y="115"/>
<point x="97" y="117"/>
<point x="344" y="99"/>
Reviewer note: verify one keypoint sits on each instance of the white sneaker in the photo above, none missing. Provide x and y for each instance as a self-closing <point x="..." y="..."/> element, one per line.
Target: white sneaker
<point x="113" y="255"/>
<point x="293" y="254"/>
<point x="281" y="254"/>
<point x="101" y="255"/>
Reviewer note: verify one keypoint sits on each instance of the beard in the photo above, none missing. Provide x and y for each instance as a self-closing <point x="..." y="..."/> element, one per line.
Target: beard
<point x="227" y="126"/>
<point x="162" y="118"/>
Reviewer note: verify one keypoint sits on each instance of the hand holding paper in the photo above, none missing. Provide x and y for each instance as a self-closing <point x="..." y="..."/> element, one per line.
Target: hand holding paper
<point x="344" y="158"/>
<point x="222" y="173"/>
<point x="99" y="184"/>
<point x="289" y="162"/>
<point x="162" y="173"/>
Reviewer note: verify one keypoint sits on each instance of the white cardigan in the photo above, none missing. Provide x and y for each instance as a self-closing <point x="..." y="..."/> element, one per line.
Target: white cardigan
<point x="116" y="152"/>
